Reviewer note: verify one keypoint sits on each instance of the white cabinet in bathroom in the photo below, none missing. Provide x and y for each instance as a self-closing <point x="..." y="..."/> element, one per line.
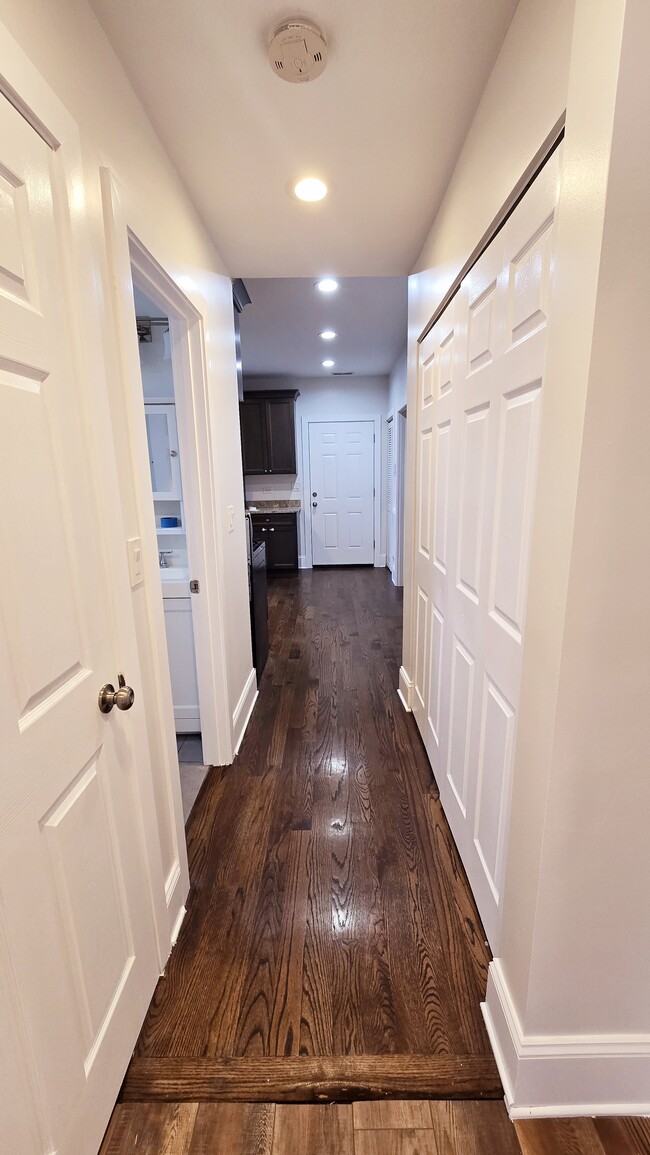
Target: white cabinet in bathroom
<point x="182" y="663"/>
<point x="162" y="437"/>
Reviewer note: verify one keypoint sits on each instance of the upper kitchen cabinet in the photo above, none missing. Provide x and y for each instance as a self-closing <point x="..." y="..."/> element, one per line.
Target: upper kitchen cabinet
<point x="268" y="431"/>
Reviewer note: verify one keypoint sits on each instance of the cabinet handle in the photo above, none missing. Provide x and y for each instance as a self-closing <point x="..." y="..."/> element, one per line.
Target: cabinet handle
<point x="272" y="529"/>
<point x="263" y="529"/>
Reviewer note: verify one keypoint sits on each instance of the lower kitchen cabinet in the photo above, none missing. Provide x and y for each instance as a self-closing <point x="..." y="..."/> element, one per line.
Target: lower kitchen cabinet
<point x="279" y="532"/>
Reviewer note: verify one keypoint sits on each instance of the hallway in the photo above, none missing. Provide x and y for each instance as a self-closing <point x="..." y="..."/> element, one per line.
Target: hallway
<point x="329" y="916"/>
<point x="331" y="951"/>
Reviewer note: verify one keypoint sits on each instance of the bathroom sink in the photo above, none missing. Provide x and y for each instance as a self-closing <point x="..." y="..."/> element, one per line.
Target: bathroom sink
<point x="175" y="581"/>
<point x="174" y="573"/>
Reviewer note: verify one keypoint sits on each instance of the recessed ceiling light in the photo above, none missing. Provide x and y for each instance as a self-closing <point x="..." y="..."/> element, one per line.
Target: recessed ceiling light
<point x="327" y="364"/>
<point x="310" y="189"/>
<point x="327" y="335"/>
<point x="327" y="285"/>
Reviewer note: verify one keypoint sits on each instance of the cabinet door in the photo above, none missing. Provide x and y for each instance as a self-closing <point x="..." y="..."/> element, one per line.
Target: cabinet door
<point x="281" y="546"/>
<point x="162" y="438"/>
<point x="252" y="415"/>
<point x="182" y="664"/>
<point x="281" y="436"/>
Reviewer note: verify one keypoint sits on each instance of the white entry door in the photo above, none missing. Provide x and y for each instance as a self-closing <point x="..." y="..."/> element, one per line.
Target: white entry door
<point x="480" y="380"/>
<point x="78" y="957"/>
<point x="342" y="469"/>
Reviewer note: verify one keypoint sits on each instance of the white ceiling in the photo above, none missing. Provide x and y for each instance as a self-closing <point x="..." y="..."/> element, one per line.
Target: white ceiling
<point x="280" y="328"/>
<point x="383" y="125"/>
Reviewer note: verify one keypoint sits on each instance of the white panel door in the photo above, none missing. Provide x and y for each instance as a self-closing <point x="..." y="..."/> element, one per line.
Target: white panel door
<point x="341" y="469"/>
<point x="480" y="380"/>
<point x="77" y="949"/>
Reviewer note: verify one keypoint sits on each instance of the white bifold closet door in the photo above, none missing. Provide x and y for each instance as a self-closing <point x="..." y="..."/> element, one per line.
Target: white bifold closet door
<point x="480" y="384"/>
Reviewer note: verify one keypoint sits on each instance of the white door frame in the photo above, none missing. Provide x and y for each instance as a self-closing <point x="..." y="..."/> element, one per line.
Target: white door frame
<point x="379" y="558"/>
<point x="399" y="450"/>
<point x="201" y="522"/>
<point x="132" y="262"/>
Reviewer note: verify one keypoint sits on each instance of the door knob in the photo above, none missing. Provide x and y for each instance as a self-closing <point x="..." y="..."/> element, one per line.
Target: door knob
<point x="123" y="697"/>
<point x="315" y="504"/>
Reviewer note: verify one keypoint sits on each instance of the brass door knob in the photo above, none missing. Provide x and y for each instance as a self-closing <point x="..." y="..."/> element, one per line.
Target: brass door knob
<point x="123" y="697"/>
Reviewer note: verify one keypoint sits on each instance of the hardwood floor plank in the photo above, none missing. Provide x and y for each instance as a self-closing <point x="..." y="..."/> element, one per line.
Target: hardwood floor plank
<point x="406" y="1142"/>
<point x="313" y="1079"/>
<point x="325" y="1130"/>
<point x="626" y="1135"/>
<point x="474" y="1129"/>
<point x="150" y="1128"/>
<point x="233" y="1129"/>
<point x="558" y="1137"/>
<point x="382" y="1115"/>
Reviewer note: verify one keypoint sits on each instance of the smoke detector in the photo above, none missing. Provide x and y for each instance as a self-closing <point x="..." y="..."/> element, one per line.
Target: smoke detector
<point x="297" y="51"/>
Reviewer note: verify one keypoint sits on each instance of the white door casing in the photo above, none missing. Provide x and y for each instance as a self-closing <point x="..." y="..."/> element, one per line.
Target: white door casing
<point x="78" y="948"/>
<point x="341" y="471"/>
<point x="391" y="494"/>
<point x="480" y="379"/>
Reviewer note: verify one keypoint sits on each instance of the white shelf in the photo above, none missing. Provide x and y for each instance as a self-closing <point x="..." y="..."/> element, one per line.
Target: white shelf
<point x="173" y="530"/>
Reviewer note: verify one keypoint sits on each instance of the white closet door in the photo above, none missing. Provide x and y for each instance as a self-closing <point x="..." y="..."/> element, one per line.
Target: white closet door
<point x="480" y="384"/>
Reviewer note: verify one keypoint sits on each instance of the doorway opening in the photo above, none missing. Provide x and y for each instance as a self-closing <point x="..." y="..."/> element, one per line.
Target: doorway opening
<point x="171" y="515"/>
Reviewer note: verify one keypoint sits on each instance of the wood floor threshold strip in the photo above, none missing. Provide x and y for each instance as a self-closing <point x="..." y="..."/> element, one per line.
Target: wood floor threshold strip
<point x="306" y="1079"/>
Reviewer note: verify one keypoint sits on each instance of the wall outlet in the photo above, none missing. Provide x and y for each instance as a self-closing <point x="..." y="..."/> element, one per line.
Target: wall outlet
<point x="267" y="489"/>
<point x="231" y="518"/>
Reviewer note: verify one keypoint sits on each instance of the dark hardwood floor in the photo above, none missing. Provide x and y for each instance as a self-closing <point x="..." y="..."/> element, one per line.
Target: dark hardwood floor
<point x="331" y="949"/>
<point x="329" y="916"/>
<point x="379" y="1128"/>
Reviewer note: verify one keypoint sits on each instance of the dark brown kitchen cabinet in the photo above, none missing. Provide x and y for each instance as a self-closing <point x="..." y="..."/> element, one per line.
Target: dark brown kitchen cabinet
<point x="268" y="431"/>
<point x="279" y="532"/>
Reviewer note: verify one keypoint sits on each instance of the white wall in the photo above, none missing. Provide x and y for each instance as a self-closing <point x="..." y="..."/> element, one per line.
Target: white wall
<point x="66" y="44"/>
<point x="321" y="399"/>
<point x="157" y="376"/>
<point x="395" y="526"/>
<point x="397" y="383"/>
<point x="523" y="99"/>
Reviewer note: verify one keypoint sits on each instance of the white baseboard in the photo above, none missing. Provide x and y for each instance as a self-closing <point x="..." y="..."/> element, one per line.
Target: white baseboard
<point x="243" y="711"/>
<point x="176" y="929"/>
<point x="405" y="690"/>
<point x="175" y="901"/>
<point x="551" y="1075"/>
<point x="303" y="563"/>
<point x="380" y="561"/>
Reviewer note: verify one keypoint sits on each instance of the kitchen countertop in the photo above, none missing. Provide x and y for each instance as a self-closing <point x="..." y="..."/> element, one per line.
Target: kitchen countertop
<point x="280" y="506"/>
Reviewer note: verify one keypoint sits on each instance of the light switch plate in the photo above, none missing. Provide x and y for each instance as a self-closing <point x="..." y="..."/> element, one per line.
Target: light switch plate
<point x="136" y="570"/>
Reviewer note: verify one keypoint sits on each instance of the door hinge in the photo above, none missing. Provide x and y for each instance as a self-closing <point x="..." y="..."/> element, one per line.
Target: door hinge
<point x="195" y="588"/>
